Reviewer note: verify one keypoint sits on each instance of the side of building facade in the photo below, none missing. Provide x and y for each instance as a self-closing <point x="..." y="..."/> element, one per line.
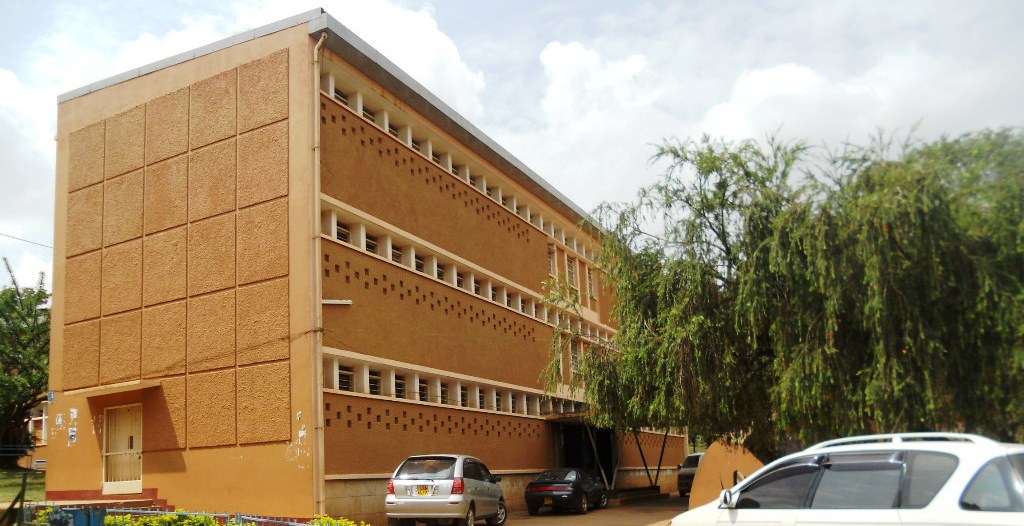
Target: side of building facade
<point x="282" y="266"/>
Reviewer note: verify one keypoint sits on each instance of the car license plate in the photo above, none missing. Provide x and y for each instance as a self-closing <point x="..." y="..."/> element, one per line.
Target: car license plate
<point x="547" y="500"/>
<point x="422" y="490"/>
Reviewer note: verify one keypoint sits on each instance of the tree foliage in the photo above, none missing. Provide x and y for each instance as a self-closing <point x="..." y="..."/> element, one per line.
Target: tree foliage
<point x="24" y="357"/>
<point x="770" y="298"/>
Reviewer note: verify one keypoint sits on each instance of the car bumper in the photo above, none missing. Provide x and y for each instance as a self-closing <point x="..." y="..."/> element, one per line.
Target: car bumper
<point x="557" y="500"/>
<point x="449" y="508"/>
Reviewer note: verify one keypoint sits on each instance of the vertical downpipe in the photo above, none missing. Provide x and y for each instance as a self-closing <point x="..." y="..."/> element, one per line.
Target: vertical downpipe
<point x="318" y="361"/>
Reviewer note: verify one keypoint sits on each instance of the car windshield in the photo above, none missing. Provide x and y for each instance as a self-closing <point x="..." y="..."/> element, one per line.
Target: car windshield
<point x="427" y="468"/>
<point x="691" y="461"/>
<point x="560" y="474"/>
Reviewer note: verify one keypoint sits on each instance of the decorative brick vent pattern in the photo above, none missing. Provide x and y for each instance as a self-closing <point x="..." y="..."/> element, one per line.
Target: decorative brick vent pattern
<point x="428" y="314"/>
<point x="393" y="430"/>
<point x="361" y="163"/>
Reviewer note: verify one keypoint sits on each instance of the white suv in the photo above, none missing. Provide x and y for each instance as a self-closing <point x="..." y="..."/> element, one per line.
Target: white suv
<point x="908" y="478"/>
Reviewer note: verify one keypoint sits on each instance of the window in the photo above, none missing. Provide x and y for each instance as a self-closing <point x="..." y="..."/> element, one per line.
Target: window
<point x="494" y="293"/>
<point x="345" y="377"/>
<point x="481" y="399"/>
<point x="444" y="393"/>
<point x="508" y="299"/>
<point x="996" y="487"/>
<point x="415" y="145"/>
<point x="343" y="233"/>
<point x="476" y="287"/>
<point x="439" y="273"/>
<point x="489" y="190"/>
<point x="783" y="488"/>
<point x="570" y="271"/>
<point x="396" y="254"/>
<point x="419" y="264"/>
<point x="341" y="96"/>
<point x="435" y="157"/>
<point x="399" y="386"/>
<point x="574" y="357"/>
<point x="497" y="401"/>
<point x="862" y="481"/>
<point x="513" y="406"/>
<point x="459" y="280"/>
<point x="369" y="114"/>
<point x="375" y="382"/>
<point x="551" y="260"/>
<point x="424" y="390"/>
<point x="590" y="282"/>
<point x="926" y="473"/>
<point x="371" y="243"/>
<point x="463" y="396"/>
<point x="392" y="130"/>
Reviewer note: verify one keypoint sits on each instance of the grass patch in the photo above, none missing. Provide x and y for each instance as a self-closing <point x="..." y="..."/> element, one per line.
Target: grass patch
<point x="10" y="484"/>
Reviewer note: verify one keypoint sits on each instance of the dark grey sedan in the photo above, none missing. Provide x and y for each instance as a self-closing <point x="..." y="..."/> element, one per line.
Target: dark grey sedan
<point x="565" y="489"/>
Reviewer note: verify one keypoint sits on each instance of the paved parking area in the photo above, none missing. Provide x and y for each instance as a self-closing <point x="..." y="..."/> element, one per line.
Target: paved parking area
<point x="647" y="512"/>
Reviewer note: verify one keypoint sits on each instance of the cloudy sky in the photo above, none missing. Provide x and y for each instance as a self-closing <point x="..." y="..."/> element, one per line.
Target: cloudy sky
<point x="579" y="90"/>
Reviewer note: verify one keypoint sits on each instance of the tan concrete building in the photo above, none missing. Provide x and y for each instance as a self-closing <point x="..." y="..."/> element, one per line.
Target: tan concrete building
<point x="282" y="266"/>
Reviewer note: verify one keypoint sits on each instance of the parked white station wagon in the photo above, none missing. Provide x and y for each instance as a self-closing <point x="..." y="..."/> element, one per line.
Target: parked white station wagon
<point x="908" y="478"/>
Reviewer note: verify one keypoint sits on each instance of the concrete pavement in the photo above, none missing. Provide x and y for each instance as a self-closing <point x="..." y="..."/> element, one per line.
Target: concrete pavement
<point x="645" y="512"/>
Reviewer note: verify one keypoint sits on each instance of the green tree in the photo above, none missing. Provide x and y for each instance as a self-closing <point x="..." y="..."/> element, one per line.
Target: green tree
<point x="24" y="357"/>
<point x="878" y="290"/>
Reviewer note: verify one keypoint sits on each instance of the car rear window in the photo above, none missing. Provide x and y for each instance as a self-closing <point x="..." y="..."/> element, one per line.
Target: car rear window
<point x="996" y="487"/>
<point x="557" y="475"/>
<point x="926" y="473"/>
<point x="691" y="461"/>
<point x="427" y="468"/>
<point x="859" y="481"/>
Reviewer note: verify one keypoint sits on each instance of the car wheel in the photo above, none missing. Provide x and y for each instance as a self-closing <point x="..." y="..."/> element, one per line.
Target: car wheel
<point x="499" y="518"/>
<point x="533" y="510"/>
<point x="470" y="517"/>
<point x="584" y="504"/>
<point x="603" y="502"/>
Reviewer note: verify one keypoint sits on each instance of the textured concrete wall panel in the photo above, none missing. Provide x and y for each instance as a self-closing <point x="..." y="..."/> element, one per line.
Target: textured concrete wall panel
<point x="81" y="293"/>
<point x="120" y="348"/>
<point x="263" y="403"/>
<point x="211" y="254"/>
<point x="81" y="355"/>
<point x="121" y="287"/>
<point x="211" y="409"/>
<point x="263" y="241"/>
<point x="263" y="164"/>
<point x="211" y="181"/>
<point x="122" y="208"/>
<point x="167" y="126"/>
<point x="263" y="91"/>
<point x="166" y="194"/>
<point x="262" y="325"/>
<point x="163" y="416"/>
<point x="211" y="331"/>
<point x="125" y="142"/>
<point x="85" y="220"/>
<point x="85" y="164"/>
<point x="163" y="271"/>
<point x="163" y="340"/>
<point x="212" y="109"/>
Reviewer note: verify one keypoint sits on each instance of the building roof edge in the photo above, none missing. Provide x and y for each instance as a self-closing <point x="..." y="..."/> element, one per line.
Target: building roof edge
<point x="195" y="53"/>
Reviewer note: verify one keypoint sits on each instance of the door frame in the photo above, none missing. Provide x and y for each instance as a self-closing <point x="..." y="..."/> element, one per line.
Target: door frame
<point x="126" y="486"/>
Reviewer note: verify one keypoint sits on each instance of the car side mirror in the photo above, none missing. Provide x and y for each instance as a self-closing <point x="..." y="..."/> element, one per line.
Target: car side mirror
<point x="495" y="478"/>
<point x="728" y="499"/>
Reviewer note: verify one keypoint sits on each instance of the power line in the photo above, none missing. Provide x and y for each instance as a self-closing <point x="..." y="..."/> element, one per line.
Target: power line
<point x="25" y="240"/>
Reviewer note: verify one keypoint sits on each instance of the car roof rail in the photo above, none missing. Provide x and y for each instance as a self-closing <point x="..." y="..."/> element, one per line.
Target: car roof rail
<point x="893" y="438"/>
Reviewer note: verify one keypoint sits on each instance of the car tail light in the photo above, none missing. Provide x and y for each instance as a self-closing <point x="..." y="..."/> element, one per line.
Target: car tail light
<point x="458" y="486"/>
<point x="391" y="486"/>
<point x="549" y="487"/>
